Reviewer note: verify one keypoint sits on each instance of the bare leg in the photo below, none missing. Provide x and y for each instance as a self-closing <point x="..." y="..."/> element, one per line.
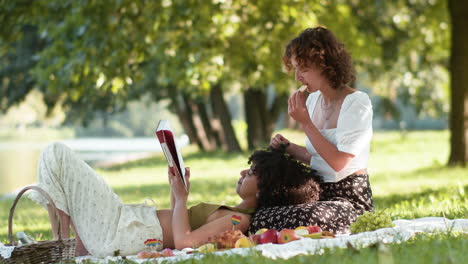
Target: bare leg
<point x="66" y="177"/>
<point x="80" y="249"/>
<point x="64" y="223"/>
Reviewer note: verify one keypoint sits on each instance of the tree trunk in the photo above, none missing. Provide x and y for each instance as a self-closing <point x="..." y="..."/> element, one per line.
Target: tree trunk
<point x="252" y="118"/>
<point x="211" y="135"/>
<point x="185" y="117"/>
<point x="105" y="119"/>
<point x="222" y="120"/>
<point x="260" y="118"/>
<point x="203" y="138"/>
<point x="279" y="105"/>
<point x="459" y="83"/>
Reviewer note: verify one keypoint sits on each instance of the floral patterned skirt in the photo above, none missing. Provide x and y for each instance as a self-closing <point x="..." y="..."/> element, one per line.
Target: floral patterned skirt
<point x="339" y="206"/>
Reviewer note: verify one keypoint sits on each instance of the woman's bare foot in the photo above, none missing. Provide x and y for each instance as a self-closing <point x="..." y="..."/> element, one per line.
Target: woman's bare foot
<point x="80" y="249"/>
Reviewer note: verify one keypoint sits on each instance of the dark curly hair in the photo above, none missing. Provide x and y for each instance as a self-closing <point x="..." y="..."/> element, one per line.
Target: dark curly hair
<point x="319" y="47"/>
<point x="283" y="180"/>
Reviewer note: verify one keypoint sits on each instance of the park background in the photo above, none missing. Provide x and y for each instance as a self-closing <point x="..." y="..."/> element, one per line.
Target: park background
<point x="88" y="72"/>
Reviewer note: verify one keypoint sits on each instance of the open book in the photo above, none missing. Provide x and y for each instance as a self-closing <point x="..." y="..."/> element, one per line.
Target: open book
<point x="171" y="151"/>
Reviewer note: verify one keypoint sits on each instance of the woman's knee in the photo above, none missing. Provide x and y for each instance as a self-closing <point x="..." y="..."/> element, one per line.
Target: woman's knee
<point x="55" y="150"/>
<point x="58" y="147"/>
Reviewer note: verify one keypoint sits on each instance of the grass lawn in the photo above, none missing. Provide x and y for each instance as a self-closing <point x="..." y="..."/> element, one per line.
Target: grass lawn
<point x="407" y="173"/>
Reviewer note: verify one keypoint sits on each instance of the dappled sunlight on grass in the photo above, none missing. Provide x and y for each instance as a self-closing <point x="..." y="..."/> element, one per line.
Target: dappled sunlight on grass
<point x="408" y="179"/>
<point x="393" y="151"/>
<point x="417" y="180"/>
<point x="450" y="202"/>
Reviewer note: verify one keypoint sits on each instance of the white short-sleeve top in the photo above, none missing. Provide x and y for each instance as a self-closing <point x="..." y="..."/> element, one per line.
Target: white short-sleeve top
<point x="353" y="134"/>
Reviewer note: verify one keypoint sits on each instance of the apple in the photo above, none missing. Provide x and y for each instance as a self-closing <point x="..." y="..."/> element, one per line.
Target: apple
<point x="269" y="236"/>
<point x="244" y="242"/>
<point x="300" y="228"/>
<point x="261" y="231"/>
<point x="287" y="235"/>
<point x="314" y="229"/>
<point x="167" y="252"/>
<point x="255" y="238"/>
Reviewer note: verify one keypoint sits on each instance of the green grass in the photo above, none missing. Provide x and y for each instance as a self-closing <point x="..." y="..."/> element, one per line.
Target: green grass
<point x="408" y="176"/>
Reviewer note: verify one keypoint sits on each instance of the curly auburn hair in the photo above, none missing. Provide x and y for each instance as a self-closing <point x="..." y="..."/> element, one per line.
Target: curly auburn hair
<point x="283" y="180"/>
<point x="319" y="47"/>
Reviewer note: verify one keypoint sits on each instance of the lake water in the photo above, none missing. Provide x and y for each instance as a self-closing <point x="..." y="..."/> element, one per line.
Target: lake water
<point x="18" y="160"/>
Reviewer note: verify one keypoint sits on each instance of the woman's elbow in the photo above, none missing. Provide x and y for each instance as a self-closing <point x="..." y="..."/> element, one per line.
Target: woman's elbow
<point x="184" y="243"/>
<point x="180" y="245"/>
<point x="341" y="162"/>
<point x="338" y="168"/>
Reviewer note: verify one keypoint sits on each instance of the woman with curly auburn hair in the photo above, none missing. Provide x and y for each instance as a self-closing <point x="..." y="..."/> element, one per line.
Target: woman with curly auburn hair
<point x="283" y="179"/>
<point x="337" y="121"/>
<point x="103" y="224"/>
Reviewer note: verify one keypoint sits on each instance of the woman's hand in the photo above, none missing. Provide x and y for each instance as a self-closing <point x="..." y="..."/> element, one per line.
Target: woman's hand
<point x="277" y="140"/>
<point x="297" y="108"/>
<point x="177" y="185"/>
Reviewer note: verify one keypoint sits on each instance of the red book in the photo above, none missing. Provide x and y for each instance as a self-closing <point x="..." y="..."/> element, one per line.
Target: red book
<point x="171" y="151"/>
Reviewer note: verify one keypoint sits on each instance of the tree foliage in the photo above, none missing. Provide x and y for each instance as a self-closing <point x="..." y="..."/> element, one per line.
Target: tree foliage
<point x="98" y="55"/>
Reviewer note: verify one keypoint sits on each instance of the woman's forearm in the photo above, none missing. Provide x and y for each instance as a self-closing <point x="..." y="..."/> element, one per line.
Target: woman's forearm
<point x="298" y="152"/>
<point x="172" y="200"/>
<point x="180" y="225"/>
<point x="336" y="159"/>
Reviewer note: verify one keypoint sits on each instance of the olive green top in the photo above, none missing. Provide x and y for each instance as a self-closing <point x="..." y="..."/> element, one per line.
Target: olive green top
<point x="200" y="212"/>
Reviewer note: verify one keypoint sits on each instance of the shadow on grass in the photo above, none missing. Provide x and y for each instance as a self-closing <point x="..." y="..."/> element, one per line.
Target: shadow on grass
<point x="450" y="200"/>
<point x="435" y="173"/>
<point x="447" y="201"/>
<point x="439" y="193"/>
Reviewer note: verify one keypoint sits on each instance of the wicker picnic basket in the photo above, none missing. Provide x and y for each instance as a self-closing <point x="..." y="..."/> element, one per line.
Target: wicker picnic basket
<point x="43" y="251"/>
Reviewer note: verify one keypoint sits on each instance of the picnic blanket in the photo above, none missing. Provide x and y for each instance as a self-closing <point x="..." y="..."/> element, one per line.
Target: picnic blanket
<point x="403" y="230"/>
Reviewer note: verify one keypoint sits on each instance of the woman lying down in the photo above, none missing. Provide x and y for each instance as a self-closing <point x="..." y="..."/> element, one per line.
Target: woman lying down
<point x="103" y="224"/>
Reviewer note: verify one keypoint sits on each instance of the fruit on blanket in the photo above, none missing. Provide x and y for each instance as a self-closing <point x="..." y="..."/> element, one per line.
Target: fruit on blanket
<point x="314" y="235"/>
<point x="301" y="232"/>
<point x="314" y="229"/>
<point x="206" y="248"/>
<point x="269" y="236"/>
<point x="144" y="254"/>
<point x="261" y="231"/>
<point x="371" y="221"/>
<point x="227" y="239"/>
<point x="167" y="252"/>
<point x="255" y="238"/>
<point x="244" y="242"/>
<point x="326" y="234"/>
<point x="301" y="228"/>
<point x="156" y="255"/>
<point x="286" y="235"/>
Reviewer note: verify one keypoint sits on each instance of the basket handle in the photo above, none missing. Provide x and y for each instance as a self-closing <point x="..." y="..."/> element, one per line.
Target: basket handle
<point x="12" y="210"/>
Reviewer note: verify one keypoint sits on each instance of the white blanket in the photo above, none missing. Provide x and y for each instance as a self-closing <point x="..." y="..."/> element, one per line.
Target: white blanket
<point x="403" y="230"/>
